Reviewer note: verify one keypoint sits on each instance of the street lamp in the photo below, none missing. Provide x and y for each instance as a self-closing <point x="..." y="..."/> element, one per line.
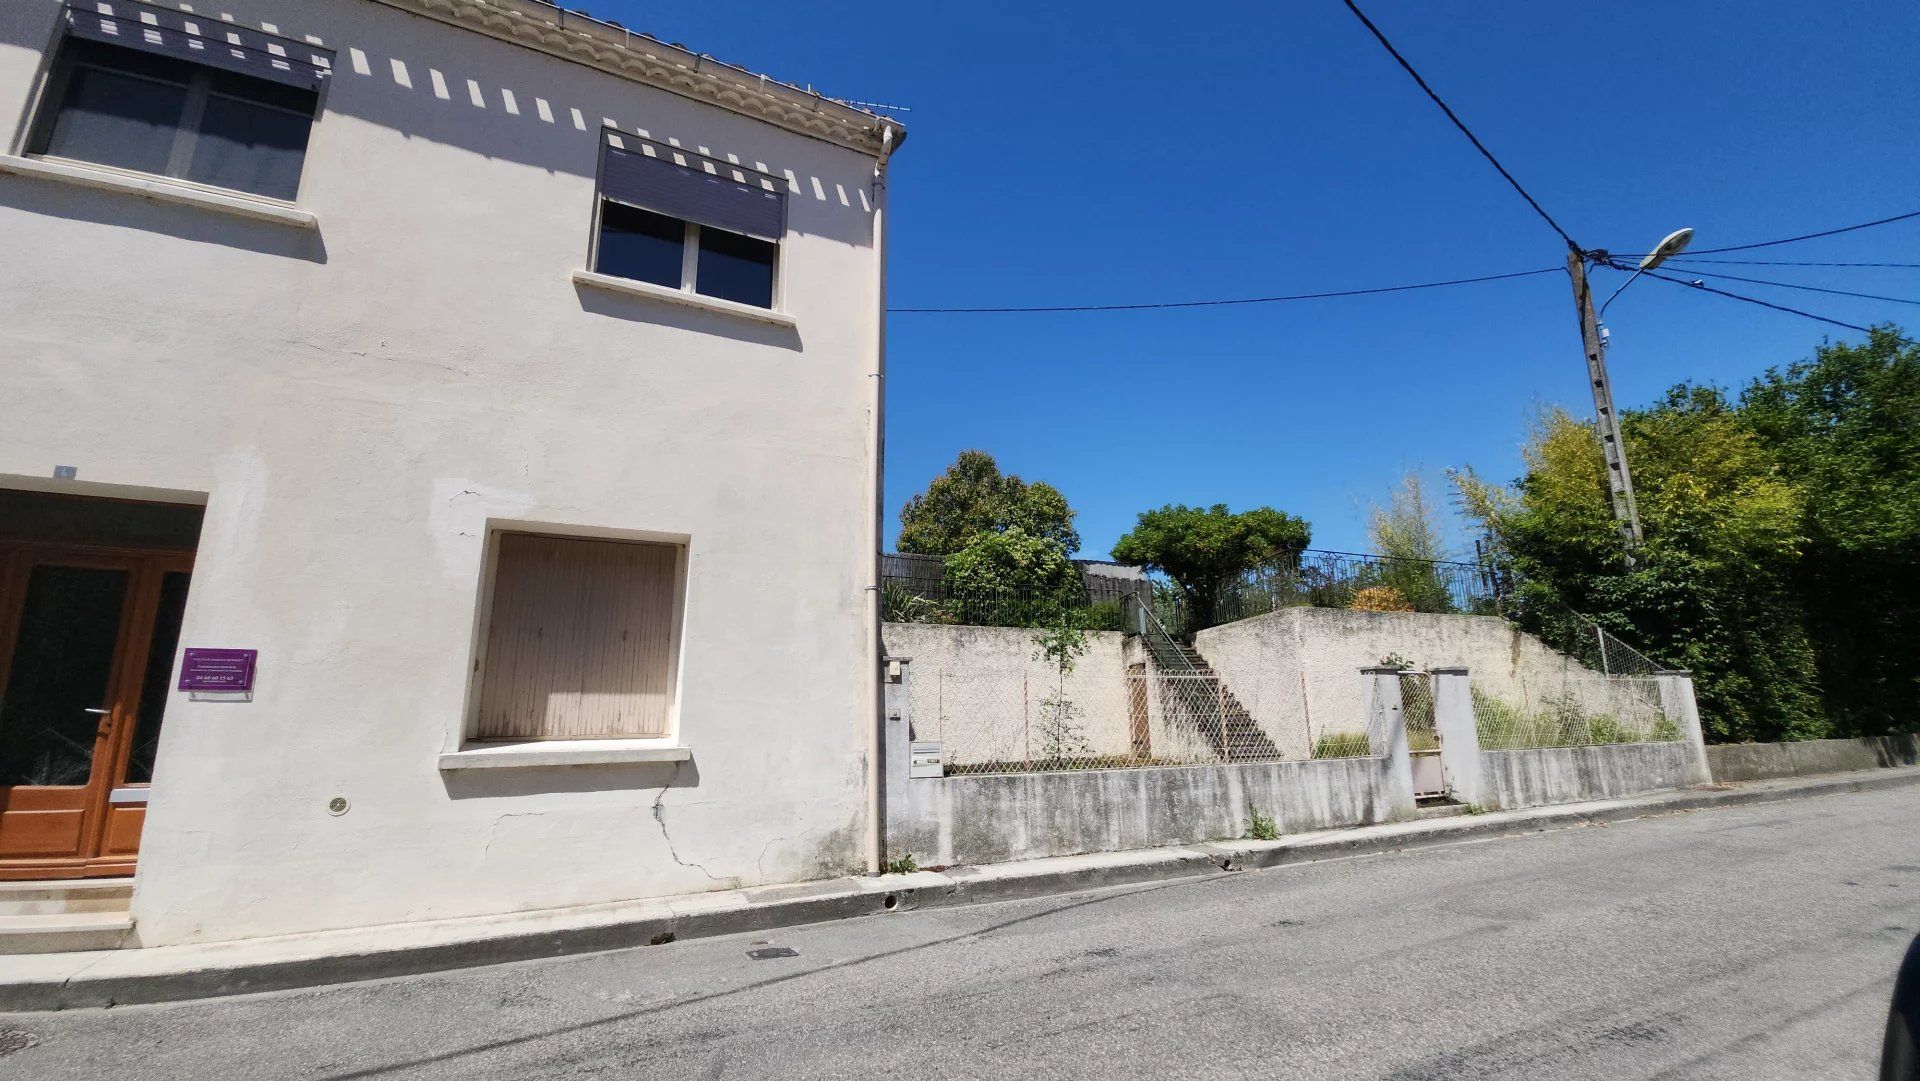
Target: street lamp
<point x="1675" y="243"/>
<point x="1594" y="339"/>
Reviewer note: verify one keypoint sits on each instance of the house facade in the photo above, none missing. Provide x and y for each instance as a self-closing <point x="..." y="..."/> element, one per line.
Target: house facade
<point x="439" y="446"/>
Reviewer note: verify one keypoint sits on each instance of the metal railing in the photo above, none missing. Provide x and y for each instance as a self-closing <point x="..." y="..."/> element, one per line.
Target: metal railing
<point x="1318" y="579"/>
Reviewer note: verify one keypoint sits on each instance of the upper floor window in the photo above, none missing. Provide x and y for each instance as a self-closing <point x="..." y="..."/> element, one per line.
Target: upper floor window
<point x="176" y="95"/>
<point x="683" y="227"/>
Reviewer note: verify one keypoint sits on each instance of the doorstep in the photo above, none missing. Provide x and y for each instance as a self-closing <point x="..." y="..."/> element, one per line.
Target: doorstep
<point x="106" y="977"/>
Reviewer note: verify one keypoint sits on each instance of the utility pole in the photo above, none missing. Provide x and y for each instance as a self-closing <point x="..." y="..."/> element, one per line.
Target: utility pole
<point x="1619" y="480"/>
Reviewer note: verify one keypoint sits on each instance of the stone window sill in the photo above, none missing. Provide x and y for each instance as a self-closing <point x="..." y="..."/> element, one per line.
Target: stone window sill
<point x="682" y="298"/>
<point x="160" y="189"/>
<point x="571" y="752"/>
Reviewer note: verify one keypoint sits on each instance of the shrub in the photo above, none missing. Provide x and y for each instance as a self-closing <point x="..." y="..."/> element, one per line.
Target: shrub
<point x="1380" y="599"/>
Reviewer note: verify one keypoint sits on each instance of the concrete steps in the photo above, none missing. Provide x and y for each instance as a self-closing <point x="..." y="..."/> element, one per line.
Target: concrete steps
<point x="1440" y="810"/>
<point x="75" y="914"/>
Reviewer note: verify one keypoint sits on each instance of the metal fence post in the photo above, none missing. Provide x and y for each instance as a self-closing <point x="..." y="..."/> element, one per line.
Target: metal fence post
<point x="1453" y="721"/>
<point x="1387" y="737"/>
<point x="1678" y="704"/>
<point x="1220" y="704"/>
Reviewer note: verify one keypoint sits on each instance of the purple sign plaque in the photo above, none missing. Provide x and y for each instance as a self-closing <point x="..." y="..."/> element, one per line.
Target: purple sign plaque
<point x="217" y="669"/>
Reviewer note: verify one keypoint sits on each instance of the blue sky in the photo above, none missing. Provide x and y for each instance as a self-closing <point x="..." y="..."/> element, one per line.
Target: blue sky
<point x="1079" y="152"/>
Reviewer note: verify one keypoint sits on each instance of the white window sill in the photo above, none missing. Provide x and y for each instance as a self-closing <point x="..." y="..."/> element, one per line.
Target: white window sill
<point x="682" y="298"/>
<point x="160" y="189"/>
<point x="570" y="752"/>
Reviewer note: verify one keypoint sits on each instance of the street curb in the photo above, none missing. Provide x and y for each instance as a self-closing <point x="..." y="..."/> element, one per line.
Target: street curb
<point x="69" y="981"/>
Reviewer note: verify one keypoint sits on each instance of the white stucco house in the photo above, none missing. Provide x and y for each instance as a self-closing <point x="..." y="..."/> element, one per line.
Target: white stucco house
<point x="439" y="445"/>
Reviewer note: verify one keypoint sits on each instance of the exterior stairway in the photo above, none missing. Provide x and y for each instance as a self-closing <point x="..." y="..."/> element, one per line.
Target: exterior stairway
<point x="1242" y="739"/>
<point x="56" y="917"/>
<point x="1197" y="697"/>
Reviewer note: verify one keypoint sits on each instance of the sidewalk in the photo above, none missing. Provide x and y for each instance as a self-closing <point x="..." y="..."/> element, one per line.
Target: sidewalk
<point x="169" y="973"/>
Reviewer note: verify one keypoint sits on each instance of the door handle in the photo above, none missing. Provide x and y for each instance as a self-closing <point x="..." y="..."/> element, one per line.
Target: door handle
<point x="98" y="712"/>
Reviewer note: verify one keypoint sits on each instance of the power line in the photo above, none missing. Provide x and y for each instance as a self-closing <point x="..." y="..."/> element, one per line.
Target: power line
<point x="1704" y="288"/>
<point x="1796" y="239"/>
<point x="1782" y="262"/>
<point x="1224" y="303"/>
<point x="1806" y="288"/>
<point x="1458" y="123"/>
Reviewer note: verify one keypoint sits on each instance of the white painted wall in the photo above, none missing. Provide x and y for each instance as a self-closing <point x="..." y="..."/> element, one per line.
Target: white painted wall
<point x="979" y="690"/>
<point x="1296" y="669"/>
<point x="359" y="403"/>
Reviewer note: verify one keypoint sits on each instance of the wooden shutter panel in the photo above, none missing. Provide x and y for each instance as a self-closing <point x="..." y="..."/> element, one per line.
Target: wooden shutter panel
<point x="580" y="640"/>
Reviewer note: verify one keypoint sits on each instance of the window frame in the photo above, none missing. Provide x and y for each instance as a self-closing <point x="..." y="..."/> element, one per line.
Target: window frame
<point x="61" y="64"/>
<point x="468" y="739"/>
<point x="690" y="238"/>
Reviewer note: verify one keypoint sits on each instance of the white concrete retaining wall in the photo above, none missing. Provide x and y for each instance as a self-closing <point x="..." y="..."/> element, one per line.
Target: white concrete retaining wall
<point x="1759" y="761"/>
<point x="1515" y="779"/>
<point x="993" y="818"/>
<point x="979" y="689"/>
<point x="1293" y="668"/>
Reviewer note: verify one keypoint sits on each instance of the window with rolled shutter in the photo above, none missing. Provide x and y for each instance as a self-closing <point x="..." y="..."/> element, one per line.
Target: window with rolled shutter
<point x="580" y="640"/>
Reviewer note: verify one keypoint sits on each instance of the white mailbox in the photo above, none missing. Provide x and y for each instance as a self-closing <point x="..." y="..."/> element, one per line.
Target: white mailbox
<point x="923" y="759"/>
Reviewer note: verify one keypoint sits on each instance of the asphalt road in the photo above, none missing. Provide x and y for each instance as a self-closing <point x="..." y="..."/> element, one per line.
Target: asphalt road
<point x="1743" y="943"/>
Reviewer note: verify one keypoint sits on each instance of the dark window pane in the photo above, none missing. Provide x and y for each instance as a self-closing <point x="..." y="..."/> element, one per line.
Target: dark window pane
<point x="111" y="118"/>
<point x="735" y="267"/>
<point x="158" y="681"/>
<point x="640" y="244"/>
<point x="293" y="99"/>
<point x="250" y="147"/>
<point x="62" y="660"/>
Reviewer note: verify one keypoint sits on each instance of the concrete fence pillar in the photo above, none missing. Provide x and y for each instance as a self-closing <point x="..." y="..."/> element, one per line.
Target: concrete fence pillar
<point x="896" y="679"/>
<point x="1459" y="735"/>
<point x="1677" y="702"/>
<point x="1387" y="734"/>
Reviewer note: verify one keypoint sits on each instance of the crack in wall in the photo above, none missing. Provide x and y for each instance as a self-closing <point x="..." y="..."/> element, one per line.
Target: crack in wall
<point x="660" y="816"/>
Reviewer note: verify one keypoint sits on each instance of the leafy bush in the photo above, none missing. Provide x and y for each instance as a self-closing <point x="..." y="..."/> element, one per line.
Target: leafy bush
<point x="1379" y="599"/>
<point x="1012" y="579"/>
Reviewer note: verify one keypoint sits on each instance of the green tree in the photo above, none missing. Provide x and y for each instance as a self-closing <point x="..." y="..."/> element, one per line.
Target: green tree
<point x="1405" y="532"/>
<point x="1206" y="550"/>
<point x="1845" y="428"/>
<point x="973" y="497"/>
<point x="1712" y="590"/>
<point x="1013" y="579"/>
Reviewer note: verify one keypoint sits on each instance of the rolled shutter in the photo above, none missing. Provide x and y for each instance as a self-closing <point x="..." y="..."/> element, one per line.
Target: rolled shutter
<point x="200" y="39"/>
<point x="651" y="183"/>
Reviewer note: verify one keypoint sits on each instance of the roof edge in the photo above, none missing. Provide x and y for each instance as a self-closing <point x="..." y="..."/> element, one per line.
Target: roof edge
<point x="537" y="24"/>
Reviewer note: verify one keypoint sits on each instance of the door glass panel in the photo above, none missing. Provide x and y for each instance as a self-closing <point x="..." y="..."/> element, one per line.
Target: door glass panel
<point x="62" y="662"/>
<point x="157" y="682"/>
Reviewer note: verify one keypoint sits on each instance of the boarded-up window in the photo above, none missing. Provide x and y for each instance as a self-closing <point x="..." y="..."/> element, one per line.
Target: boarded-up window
<point x="579" y="641"/>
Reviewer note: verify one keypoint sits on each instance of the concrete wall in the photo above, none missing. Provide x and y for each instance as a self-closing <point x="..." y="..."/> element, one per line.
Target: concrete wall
<point x="978" y="689"/>
<point x="1759" y="761"/>
<point x="990" y="819"/>
<point x="1293" y="668"/>
<point x="1514" y="779"/>
<point x="360" y="404"/>
<point x="1012" y="816"/>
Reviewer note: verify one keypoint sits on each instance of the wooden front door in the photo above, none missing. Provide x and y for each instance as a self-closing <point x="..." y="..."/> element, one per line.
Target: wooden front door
<point x="87" y="638"/>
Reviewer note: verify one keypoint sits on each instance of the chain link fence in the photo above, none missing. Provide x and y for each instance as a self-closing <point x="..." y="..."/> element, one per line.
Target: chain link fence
<point x="1014" y="721"/>
<point x="1605" y="693"/>
<point x="1370" y="739"/>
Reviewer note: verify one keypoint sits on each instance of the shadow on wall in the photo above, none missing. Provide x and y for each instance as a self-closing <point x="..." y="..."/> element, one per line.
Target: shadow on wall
<point x="543" y="780"/>
<point x="453" y="85"/>
<point x="58" y="200"/>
